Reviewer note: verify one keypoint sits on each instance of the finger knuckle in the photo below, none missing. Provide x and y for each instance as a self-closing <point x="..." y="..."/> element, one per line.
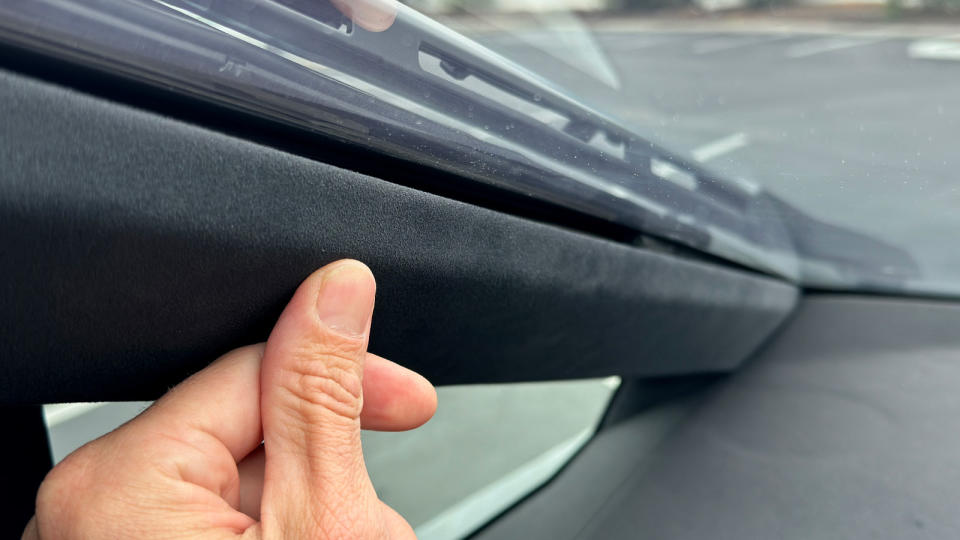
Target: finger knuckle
<point x="56" y="501"/>
<point x="326" y="380"/>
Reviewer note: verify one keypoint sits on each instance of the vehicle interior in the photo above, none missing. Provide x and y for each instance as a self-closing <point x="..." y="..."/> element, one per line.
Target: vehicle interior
<point x="172" y="169"/>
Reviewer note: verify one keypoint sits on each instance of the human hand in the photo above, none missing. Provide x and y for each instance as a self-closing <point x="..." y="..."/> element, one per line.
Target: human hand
<point x="192" y="465"/>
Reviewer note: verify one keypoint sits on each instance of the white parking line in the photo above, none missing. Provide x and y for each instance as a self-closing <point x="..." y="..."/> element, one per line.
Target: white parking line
<point x="641" y="43"/>
<point x="708" y="46"/>
<point x="671" y="172"/>
<point x="819" y="46"/>
<point x="935" y="49"/>
<point x="720" y="147"/>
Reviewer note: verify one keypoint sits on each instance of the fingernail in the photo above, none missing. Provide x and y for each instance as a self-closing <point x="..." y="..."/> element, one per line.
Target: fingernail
<point x="346" y="297"/>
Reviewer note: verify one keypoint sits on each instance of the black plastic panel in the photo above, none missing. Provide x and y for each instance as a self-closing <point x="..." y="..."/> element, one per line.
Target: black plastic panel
<point x="137" y="248"/>
<point x="845" y="426"/>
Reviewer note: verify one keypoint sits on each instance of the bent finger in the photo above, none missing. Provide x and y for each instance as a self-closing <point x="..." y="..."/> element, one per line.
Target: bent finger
<point x="394" y="397"/>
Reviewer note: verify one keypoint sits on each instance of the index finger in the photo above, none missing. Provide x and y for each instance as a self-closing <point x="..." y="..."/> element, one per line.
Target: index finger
<point x="372" y="15"/>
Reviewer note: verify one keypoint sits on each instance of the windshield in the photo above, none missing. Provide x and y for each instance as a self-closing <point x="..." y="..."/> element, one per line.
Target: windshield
<point x="848" y="111"/>
<point x="809" y="140"/>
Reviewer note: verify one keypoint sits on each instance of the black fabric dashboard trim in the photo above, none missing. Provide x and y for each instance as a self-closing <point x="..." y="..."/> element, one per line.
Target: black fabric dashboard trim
<point x="137" y="248"/>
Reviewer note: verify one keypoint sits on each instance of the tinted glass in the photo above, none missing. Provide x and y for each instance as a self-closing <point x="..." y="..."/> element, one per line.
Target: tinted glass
<point x="812" y="140"/>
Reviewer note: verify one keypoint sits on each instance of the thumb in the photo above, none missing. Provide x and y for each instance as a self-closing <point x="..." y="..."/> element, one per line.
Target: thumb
<point x="315" y="480"/>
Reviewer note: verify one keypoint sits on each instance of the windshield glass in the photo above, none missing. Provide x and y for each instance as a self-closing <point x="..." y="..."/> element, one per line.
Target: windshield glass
<point x="848" y="111"/>
<point x="812" y="140"/>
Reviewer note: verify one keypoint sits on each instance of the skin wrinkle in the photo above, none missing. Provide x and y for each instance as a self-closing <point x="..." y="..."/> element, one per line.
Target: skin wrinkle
<point x="327" y="374"/>
<point x="340" y="524"/>
<point x="327" y="389"/>
<point x="223" y="465"/>
<point x="313" y="449"/>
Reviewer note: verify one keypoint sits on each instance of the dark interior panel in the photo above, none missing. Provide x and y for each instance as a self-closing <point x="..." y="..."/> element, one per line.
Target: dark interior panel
<point x="844" y="426"/>
<point x="137" y="248"/>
